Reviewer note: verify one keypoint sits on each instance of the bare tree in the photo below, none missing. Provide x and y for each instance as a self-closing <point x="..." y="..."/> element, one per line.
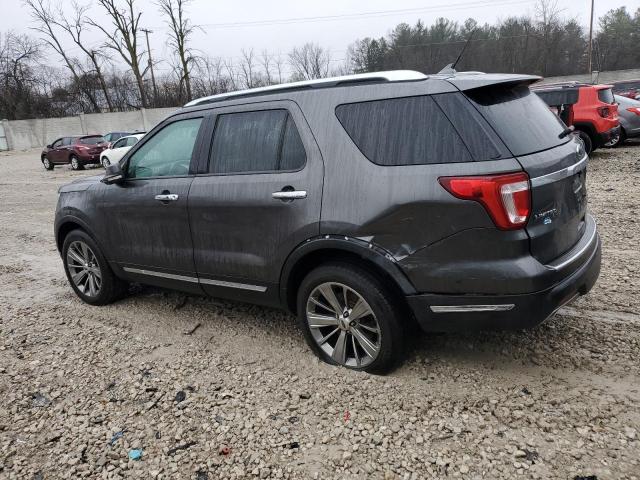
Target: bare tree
<point x="309" y="62"/>
<point x="247" y="68"/>
<point x="266" y="60"/>
<point x="45" y="21"/>
<point x="123" y="38"/>
<point x="279" y="63"/>
<point x="181" y="29"/>
<point x="75" y="28"/>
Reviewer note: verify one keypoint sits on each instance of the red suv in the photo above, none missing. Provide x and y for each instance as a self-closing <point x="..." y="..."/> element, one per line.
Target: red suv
<point x="76" y="150"/>
<point x="591" y="109"/>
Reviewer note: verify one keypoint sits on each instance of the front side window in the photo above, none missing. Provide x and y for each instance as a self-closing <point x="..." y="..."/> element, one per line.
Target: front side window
<point x="67" y="141"/>
<point x="402" y="131"/>
<point x="57" y="143"/>
<point x="262" y="141"/>
<point x="167" y="153"/>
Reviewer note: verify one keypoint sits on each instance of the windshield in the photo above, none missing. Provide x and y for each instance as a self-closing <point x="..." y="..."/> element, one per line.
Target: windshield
<point x="521" y="119"/>
<point x="91" y="140"/>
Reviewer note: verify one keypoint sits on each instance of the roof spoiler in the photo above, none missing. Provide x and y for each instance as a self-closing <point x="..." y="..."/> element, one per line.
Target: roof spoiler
<point x="469" y="82"/>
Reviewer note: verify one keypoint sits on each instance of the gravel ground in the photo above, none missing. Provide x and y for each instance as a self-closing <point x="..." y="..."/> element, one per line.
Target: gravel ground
<point x="212" y="389"/>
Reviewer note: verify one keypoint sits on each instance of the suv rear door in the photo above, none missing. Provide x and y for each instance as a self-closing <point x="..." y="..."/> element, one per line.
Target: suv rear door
<point x="556" y="166"/>
<point x="255" y="199"/>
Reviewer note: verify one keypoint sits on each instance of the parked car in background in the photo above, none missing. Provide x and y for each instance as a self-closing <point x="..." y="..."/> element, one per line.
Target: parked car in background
<point x="78" y="151"/>
<point x="117" y="150"/>
<point x="591" y="109"/>
<point x="111" y="137"/>
<point x="629" y="113"/>
<point x="627" y="88"/>
<point x="362" y="203"/>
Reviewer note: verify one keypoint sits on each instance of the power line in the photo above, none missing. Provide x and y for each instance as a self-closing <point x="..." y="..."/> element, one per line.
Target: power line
<point x="379" y="13"/>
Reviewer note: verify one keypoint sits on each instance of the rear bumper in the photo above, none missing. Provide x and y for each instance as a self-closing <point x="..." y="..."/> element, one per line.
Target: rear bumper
<point x="455" y="313"/>
<point x="605" y="137"/>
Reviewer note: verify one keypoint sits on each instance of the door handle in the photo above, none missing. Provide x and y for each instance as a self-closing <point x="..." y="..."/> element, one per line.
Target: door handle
<point x="289" y="194"/>
<point x="167" y="197"/>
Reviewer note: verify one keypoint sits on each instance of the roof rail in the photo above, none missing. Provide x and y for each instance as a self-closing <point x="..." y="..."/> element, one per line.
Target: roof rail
<point x="361" y="78"/>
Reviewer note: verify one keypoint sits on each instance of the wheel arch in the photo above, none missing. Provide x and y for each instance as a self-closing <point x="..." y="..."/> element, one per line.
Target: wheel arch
<point x="330" y="248"/>
<point x="68" y="224"/>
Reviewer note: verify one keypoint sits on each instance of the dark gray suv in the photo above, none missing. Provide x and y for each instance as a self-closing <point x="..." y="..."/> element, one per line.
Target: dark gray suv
<point x="362" y="203"/>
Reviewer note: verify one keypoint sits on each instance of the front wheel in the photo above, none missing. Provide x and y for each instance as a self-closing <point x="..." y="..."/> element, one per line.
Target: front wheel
<point x="615" y="141"/>
<point x="46" y="163"/>
<point x="75" y="163"/>
<point x="349" y="318"/>
<point x="88" y="271"/>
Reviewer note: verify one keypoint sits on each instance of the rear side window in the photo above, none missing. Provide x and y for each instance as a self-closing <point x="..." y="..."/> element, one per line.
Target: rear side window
<point x="521" y="119"/>
<point x="130" y="142"/>
<point x="606" y="95"/>
<point x="402" y="131"/>
<point x="477" y="134"/>
<point x="262" y="141"/>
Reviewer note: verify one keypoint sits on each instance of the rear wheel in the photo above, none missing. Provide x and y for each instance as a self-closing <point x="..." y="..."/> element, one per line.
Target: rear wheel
<point x="46" y="163"/>
<point x="88" y="271"/>
<point x="586" y="139"/>
<point x="76" y="164"/>
<point x="350" y="319"/>
<point x="105" y="162"/>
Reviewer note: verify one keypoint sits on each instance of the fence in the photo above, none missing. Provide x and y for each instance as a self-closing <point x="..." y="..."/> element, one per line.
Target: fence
<point x="24" y="134"/>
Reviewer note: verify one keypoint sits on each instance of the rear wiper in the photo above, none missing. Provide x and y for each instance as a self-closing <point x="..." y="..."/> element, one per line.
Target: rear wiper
<point x="567" y="131"/>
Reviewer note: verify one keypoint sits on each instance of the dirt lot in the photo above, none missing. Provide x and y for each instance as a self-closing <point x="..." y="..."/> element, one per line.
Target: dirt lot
<point x="559" y="401"/>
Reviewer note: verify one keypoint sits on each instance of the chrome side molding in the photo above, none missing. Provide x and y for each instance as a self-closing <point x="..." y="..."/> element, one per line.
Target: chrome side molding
<point x="471" y="308"/>
<point x="206" y="281"/>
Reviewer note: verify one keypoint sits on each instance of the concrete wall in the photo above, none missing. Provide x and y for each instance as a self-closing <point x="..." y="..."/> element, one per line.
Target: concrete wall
<point x="24" y="134"/>
<point x="598" y="77"/>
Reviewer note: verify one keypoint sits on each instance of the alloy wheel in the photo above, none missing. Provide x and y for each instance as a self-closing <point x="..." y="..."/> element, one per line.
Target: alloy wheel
<point x="46" y="163"/>
<point x="105" y="162"/>
<point x="74" y="163"/>
<point x="84" y="269"/>
<point x="343" y="325"/>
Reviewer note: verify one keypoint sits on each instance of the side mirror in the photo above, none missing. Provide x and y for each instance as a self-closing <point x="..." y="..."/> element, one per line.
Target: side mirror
<point x="49" y="146"/>
<point x="113" y="174"/>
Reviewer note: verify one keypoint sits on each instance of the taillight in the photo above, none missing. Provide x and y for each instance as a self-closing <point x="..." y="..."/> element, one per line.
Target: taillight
<point x="635" y="110"/>
<point x="506" y="198"/>
<point x="604" y="112"/>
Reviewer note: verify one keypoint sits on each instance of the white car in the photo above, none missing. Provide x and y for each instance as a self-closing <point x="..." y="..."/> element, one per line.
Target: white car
<point x="118" y="149"/>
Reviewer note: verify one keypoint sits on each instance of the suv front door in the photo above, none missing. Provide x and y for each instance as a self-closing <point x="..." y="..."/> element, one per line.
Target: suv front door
<point x="255" y="200"/>
<point x="145" y="216"/>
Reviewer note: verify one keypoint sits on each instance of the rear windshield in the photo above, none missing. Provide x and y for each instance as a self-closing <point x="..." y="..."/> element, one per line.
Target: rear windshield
<point x="91" y="140"/>
<point x="606" y="95"/>
<point x="521" y="119"/>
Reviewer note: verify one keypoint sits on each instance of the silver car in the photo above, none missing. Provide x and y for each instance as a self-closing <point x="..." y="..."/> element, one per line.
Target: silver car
<point x="629" y="113"/>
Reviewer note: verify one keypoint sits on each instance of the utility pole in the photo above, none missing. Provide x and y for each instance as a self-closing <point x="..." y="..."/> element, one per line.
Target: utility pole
<point x="153" y="77"/>
<point x="591" y="37"/>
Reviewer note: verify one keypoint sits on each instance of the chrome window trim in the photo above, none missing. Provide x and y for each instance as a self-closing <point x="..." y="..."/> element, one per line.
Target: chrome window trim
<point x="205" y="281"/>
<point x="560" y="174"/>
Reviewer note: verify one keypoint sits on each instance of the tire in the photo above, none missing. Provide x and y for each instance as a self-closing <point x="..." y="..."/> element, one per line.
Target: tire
<point x="615" y="142"/>
<point x="586" y="139"/>
<point x="80" y="253"/>
<point x="105" y="162"/>
<point x="378" y="352"/>
<point x="46" y="163"/>
<point x="76" y="164"/>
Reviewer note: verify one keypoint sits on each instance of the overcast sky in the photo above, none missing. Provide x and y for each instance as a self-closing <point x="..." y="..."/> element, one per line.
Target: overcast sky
<point x="279" y="25"/>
